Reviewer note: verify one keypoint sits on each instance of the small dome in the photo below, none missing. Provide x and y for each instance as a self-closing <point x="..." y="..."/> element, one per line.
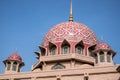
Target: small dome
<point x="103" y="45"/>
<point x="15" y="56"/>
<point x="70" y="31"/>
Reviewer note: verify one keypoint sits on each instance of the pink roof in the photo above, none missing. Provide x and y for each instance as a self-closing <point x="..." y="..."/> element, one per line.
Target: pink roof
<point x="70" y="31"/>
<point x="102" y="45"/>
<point x="15" y="56"/>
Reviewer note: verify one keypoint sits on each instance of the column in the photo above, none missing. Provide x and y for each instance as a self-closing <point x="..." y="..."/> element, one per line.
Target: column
<point x="105" y="56"/>
<point x="11" y="66"/>
<point x="6" y="65"/>
<point x="17" y="68"/>
<point x="98" y="56"/>
<point x="111" y="60"/>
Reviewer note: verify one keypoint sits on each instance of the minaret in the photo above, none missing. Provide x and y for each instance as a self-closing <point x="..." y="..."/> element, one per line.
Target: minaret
<point x="71" y="17"/>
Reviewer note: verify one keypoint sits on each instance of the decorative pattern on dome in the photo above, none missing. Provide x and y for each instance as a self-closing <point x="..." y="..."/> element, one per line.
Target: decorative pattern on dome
<point x="15" y="56"/>
<point x="71" y="31"/>
<point x="103" y="45"/>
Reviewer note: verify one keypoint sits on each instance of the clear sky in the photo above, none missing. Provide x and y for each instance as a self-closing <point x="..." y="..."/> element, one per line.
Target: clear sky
<point x="24" y="23"/>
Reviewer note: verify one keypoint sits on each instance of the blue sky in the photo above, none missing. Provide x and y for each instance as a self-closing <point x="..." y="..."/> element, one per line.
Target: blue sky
<point x="24" y="23"/>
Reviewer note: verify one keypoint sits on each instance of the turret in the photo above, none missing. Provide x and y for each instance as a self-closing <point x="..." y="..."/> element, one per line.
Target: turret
<point x="13" y="64"/>
<point x="103" y="54"/>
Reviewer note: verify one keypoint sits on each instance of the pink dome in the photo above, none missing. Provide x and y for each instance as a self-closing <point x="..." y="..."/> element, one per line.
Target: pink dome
<point x="102" y="45"/>
<point x="15" y="56"/>
<point x="70" y="31"/>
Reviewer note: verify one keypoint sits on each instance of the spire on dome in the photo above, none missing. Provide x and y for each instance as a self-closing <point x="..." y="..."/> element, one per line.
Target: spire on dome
<point x="71" y="17"/>
<point x="16" y="50"/>
<point x="102" y="38"/>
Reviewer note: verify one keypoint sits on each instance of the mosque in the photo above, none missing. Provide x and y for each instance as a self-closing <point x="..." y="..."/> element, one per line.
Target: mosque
<point x="69" y="51"/>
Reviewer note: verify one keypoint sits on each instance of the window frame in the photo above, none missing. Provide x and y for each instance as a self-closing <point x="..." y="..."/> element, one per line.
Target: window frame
<point x="14" y="68"/>
<point x="79" y="49"/>
<point x="96" y="58"/>
<point x="65" y="49"/>
<point x="8" y="66"/>
<point x="53" y="50"/>
<point x="102" y="56"/>
<point x="109" y="57"/>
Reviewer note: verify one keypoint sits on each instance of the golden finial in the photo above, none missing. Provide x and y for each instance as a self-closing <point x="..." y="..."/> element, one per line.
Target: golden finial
<point x="71" y="17"/>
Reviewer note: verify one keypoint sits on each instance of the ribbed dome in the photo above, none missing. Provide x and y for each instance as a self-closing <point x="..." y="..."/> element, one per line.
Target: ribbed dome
<point x="103" y="45"/>
<point x="70" y="31"/>
<point x="15" y="56"/>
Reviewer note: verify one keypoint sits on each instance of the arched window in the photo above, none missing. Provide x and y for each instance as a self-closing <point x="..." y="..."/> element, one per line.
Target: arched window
<point x="78" y="49"/>
<point x="65" y="49"/>
<point x="96" y="58"/>
<point x="102" y="57"/>
<point x="108" y="57"/>
<point x="53" y="50"/>
<point x="43" y="51"/>
<point x="91" y="49"/>
<point x="14" y="66"/>
<point x="8" y="65"/>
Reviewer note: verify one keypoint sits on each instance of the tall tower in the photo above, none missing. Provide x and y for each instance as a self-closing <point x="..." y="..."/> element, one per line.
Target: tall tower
<point x="13" y="64"/>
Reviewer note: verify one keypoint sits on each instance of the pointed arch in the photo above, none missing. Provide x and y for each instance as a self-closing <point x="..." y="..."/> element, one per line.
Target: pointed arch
<point x="14" y="66"/>
<point x="102" y="59"/>
<point x="58" y="66"/>
<point x="96" y="58"/>
<point x="52" y="49"/>
<point x="65" y="48"/>
<point x="90" y="49"/>
<point x="108" y="56"/>
<point x="79" y="48"/>
<point x="38" y="54"/>
<point x="8" y="65"/>
<point x="43" y="51"/>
